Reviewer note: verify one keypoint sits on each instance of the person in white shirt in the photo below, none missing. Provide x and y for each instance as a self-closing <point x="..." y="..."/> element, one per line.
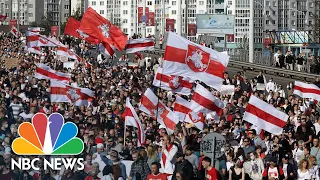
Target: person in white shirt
<point x="169" y="150"/>
<point x="317" y="125"/>
<point x="271" y="86"/>
<point x="298" y="152"/>
<point x="303" y="171"/>
<point x="276" y="58"/>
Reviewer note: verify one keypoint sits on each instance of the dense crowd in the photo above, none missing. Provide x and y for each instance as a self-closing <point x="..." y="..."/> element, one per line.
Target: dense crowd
<point x="249" y="154"/>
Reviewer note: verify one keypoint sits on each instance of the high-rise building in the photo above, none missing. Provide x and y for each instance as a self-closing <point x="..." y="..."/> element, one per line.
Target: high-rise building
<point x="52" y="8"/>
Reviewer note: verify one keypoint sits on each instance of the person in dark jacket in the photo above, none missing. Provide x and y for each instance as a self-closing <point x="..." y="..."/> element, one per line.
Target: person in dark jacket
<point x="183" y="165"/>
<point x="289" y="169"/>
<point x="139" y="168"/>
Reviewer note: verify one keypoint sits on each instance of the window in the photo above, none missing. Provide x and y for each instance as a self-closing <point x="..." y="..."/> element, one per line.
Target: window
<point x="125" y="20"/>
<point x="267" y="22"/>
<point x="125" y="11"/>
<point x="93" y="3"/>
<point x="274" y="3"/>
<point x="149" y="3"/>
<point x="201" y="2"/>
<point x="229" y="11"/>
<point x="293" y="22"/>
<point x="311" y="4"/>
<point x="274" y="13"/>
<point x="174" y="3"/>
<point x="101" y="11"/>
<point x="125" y="3"/>
<point x="30" y="15"/>
<point x="267" y="13"/>
<point x="267" y="3"/>
<point x="125" y="30"/>
<point x="149" y="30"/>
<point x="101" y="3"/>
<point x="293" y="13"/>
<point x="29" y="5"/>
<point x="293" y="4"/>
<point x="66" y="7"/>
<point x="174" y="12"/>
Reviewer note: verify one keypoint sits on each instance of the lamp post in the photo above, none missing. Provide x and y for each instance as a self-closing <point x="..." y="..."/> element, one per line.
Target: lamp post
<point x="59" y="12"/>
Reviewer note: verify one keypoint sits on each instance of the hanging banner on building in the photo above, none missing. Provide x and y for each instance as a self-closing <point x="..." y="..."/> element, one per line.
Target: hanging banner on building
<point x="230" y="38"/>
<point x="150" y="19"/>
<point x="54" y="30"/>
<point x="170" y="25"/>
<point x="13" y="22"/>
<point x="142" y="18"/>
<point x="192" y="29"/>
<point x="215" y="24"/>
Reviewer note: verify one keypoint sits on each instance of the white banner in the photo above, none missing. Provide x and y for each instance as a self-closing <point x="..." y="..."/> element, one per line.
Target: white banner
<point x="260" y="87"/>
<point x="69" y="64"/>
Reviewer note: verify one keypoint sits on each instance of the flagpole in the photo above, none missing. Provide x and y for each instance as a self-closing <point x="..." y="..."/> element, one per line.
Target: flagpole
<point x="158" y="97"/>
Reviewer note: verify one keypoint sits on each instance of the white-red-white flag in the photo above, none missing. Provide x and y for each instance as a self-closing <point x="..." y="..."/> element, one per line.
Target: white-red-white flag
<point x="305" y="90"/>
<point x="265" y="116"/>
<point x="106" y="49"/>
<point x="64" y="51"/>
<point x="14" y="31"/>
<point x="151" y="105"/>
<point x="36" y="30"/>
<point x="187" y="59"/>
<point x="132" y="119"/>
<point x="60" y="92"/>
<point x="35" y="50"/>
<point x="36" y="39"/>
<point x="142" y="44"/>
<point x="182" y="108"/>
<point x="172" y="83"/>
<point x="45" y="72"/>
<point x="203" y="100"/>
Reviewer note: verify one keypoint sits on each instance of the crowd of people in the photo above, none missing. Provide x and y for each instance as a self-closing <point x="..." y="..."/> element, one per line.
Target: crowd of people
<point x="302" y="62"/>
<point x="249" y="154"/>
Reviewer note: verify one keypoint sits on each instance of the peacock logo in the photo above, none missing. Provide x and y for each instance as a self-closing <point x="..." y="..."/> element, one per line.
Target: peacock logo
<point x="47" y="136"/>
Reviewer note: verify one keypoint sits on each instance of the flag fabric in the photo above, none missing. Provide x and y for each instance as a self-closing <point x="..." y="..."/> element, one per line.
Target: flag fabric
<point x="73" y="29"/>
<point x="132" y="119"/>
<point x="138" y="55"/>
<point x="142" y="44"/>
<point x="187" y="59"/>
<point x="203" y="100"/>
<point x="35" y="50"/>
<point x="14" y="31"/>
<point x="36" y="30"/>
<point x="35" y="39"/>
<point x="64" y="51"/>
<point x="305" y="90"/>
<point x="45" y="72"/>
<point x="265" y="116"/>
<point x="151" y="105"/>
<point x="95" y="25"/>
<point x="3" y="18"/>
<point x="60" y="92"/>
<point x="172" y="83"/>
<point x="182" y="108"/>
<point x="106" y="49"/>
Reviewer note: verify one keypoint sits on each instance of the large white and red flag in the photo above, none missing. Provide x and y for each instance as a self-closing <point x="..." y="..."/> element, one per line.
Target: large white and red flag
<point x="172" y="83"/>
<point x="45" y="72"/>
<point x="36" y="39"/>
<point x="265" y="116"/>
<point x="106" y="49"/>
<point x="73" y="29"/>
<point x="64" y="51"/>
<point x="151" y="105"/>
<point x="14" y="31"/>
<point x="35" y="50"/>
<point x="142" y="44"/>
<point x="305" y="90"/>
<point x="132" y="119"/>
<point x="60" y="92"/>
<point x="36" y="30"/>
<point x="97" y="26"/>
<point x="187" y="59"/>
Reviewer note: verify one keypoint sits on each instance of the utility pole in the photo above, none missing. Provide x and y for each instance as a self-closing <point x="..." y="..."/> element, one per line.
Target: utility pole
<point x="144" y="20"/>
<point x="18" y="19"/>
<point x="186" y="18"/>
<point x="59" y="22"/>
<point x="251" y="31"/>
<point x="135" y="16"/>
<point x="164" y="17"/>
<point x="179" y="19"/>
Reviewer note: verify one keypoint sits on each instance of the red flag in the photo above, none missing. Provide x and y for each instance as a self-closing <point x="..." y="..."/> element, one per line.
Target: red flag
<point x="73" y="29"/>
<point x="95" y="25"/>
